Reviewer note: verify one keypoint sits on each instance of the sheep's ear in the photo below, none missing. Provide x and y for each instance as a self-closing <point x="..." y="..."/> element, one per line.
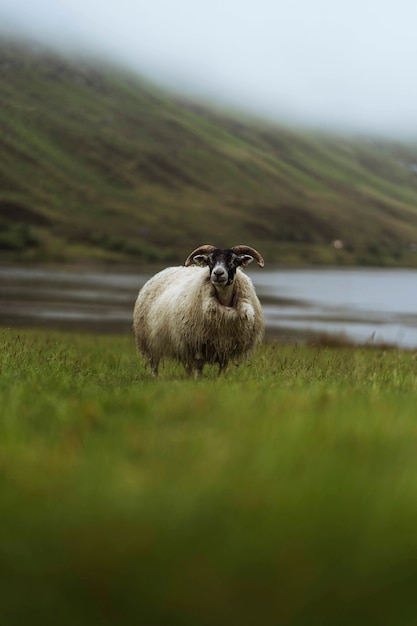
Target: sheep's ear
<point x="201" y="259"/>
<point x="245" y="259"/>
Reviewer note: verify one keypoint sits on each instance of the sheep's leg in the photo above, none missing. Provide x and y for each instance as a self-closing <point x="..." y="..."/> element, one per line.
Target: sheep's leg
<point x="197" y="368"/>
<point x="195" y="365"/>
<point x="154" y="364"/>
<point x="198" y="371"/>
<point x="222" y="367"/>
<point x="194" y="369"/>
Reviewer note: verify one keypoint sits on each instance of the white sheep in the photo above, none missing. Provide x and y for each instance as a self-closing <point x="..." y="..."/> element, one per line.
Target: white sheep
<point x="203" y="313"/>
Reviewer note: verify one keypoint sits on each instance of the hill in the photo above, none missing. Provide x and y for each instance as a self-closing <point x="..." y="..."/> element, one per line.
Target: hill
<point x="97" y="164"/>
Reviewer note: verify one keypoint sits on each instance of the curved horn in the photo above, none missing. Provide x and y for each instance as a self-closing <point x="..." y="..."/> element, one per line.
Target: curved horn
<point x="247" y="250"/>
<point x="206" y="249"/>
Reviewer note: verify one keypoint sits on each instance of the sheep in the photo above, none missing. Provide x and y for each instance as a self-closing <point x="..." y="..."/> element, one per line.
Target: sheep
<point x="205" y="311"/>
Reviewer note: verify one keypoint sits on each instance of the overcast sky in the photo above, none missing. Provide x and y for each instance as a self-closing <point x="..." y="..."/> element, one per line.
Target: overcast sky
<point x="348" y="64"/>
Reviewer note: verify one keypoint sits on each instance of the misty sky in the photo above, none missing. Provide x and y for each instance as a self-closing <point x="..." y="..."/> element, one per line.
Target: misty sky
<point x="340" y="64"/>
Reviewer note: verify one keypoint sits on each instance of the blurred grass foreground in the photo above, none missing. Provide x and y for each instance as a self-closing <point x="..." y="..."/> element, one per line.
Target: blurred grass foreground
<point x="284" y="492"/>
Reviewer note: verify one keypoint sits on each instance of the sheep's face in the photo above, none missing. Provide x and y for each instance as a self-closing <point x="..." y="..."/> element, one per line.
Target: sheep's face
<point x="222" y="265"/>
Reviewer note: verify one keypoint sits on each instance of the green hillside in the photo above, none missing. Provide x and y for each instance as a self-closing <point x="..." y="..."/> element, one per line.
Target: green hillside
<point x="97" y="164"/>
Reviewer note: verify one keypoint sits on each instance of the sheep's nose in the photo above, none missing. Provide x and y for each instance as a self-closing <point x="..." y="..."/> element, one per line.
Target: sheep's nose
<point x="218" y="271"/>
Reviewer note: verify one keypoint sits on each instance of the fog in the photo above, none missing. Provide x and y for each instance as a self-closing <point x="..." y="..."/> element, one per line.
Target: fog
<point x="338" y="65"/>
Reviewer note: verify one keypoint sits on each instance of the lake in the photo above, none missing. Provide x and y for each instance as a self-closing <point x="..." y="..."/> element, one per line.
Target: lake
<point x="357" y="305"/>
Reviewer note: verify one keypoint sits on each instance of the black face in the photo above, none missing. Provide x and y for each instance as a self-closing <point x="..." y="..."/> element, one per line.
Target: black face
<point x="222" y="265"/>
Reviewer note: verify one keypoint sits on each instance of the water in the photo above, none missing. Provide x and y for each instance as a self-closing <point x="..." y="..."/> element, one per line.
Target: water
<point x="72" y="299"/>
<point x="362" y="306"/>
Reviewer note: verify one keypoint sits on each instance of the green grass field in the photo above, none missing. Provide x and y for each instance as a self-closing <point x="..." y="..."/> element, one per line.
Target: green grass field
<point x="284" y="492"/>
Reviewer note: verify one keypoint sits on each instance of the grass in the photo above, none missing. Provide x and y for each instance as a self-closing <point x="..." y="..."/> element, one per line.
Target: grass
<point x="283" y="492"/>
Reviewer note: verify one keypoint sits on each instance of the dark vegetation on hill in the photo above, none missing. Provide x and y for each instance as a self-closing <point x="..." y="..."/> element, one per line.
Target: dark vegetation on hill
<point x="96" y="164"/>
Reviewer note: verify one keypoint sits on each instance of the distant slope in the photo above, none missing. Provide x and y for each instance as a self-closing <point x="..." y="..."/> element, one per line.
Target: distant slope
<point x="97" y="164"/>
